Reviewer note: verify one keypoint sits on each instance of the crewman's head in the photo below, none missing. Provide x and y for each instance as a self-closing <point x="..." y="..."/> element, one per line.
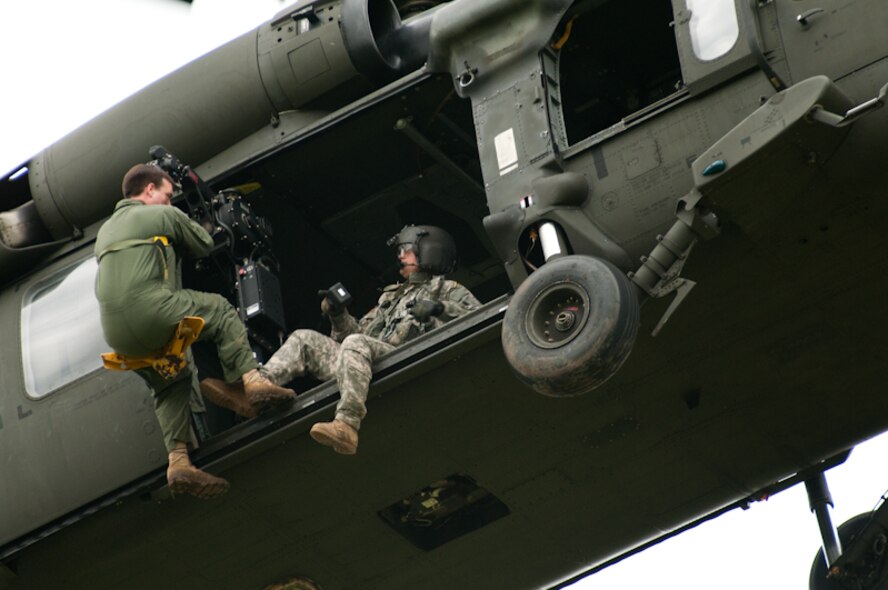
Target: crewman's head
<point x="148" y="184"/>
<point x="424" y="247"/>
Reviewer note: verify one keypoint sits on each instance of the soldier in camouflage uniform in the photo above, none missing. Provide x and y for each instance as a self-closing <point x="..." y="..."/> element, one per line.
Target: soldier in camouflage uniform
<point x="424" y="301"/>
<point x="141" y="302"/>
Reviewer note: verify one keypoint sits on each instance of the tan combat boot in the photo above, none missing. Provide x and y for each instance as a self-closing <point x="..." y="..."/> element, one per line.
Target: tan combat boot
<point x="230" y="396"/>
<point x="263" y="394"/>
<point x="337" y="434"/>
<point x="185" y="478"/>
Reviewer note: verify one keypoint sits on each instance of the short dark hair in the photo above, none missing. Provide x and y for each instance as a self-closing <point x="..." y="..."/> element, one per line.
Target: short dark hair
<point x="140" y="176"/>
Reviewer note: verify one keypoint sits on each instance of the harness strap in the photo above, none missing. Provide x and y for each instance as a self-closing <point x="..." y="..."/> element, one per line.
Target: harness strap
<point x="169" y="361"/>
<point x="160" y="241"/>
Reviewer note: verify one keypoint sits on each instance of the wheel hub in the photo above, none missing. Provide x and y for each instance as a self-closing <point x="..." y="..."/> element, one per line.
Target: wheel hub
<point x="565" y="320"/>
<point x="558" y="313"/>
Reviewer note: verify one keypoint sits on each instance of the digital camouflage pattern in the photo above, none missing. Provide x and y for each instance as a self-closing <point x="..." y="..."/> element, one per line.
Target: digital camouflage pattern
<point x="307" y="352"/>
<point x="391" y="320"/>
<point x="349" y="354"/>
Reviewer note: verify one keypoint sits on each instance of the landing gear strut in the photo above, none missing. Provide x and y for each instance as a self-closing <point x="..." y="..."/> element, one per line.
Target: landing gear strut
<point x="820" y="501"/>
<point x="861" y="565"/>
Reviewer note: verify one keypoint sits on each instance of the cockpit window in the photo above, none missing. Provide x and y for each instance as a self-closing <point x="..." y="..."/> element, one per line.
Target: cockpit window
<point x="61" y="333"/>
<point x="714" y="27"/>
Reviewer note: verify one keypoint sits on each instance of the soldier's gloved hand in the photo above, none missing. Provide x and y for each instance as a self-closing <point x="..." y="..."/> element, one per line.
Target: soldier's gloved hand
<point x="425" y="309"/>
<point x="328" y="307"/>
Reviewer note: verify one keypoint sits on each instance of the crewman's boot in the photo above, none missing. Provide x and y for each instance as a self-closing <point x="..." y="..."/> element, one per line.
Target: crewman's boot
<point x="185" y="478"/>
<point x="263" y="394"/>
<point x="337" y="434"/>
<point x="230" y="396"/>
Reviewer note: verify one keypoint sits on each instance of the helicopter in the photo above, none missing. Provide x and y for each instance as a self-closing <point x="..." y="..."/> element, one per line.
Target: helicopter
<point x="678" y="242"/>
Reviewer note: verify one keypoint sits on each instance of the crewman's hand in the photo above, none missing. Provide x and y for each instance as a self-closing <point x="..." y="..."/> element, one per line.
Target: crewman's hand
<point x="425" y="309"/>
<point x="327" y="307"/>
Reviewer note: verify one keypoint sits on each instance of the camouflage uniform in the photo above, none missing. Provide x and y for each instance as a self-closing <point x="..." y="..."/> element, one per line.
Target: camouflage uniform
<point x="141" y="302"/>
<point x="354" y="345"/>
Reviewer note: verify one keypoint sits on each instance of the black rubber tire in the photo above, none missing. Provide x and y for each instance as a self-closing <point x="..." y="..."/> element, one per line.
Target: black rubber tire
<point x="847" y="531"/>
<point x="595" y="331"/>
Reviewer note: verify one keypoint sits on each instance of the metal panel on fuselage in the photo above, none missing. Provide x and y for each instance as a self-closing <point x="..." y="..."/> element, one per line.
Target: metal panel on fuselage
<point x="82" y="440"/>
<point x="637" y="175"/>
<point x="836" y="38"/>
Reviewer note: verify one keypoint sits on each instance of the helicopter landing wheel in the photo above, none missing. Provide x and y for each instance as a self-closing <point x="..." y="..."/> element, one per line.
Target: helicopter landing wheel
<point x="570" y="326"/>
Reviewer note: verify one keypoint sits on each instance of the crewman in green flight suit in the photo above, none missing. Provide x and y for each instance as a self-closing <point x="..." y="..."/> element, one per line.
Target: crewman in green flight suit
<point x="141" y="303"/>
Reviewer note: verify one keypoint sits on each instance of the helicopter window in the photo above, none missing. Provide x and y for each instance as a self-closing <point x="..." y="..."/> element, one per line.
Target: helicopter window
<point x="606" y="74"/>
<point x="61" y="332"/>
<point x="714" y="27"/>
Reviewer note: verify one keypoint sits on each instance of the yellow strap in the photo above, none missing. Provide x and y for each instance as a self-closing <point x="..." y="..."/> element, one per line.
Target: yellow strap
<point x="557" y="45"/>
<point x="169" y="361"/>
<point x="124" y="244"/>
<point x="166" y="242"/>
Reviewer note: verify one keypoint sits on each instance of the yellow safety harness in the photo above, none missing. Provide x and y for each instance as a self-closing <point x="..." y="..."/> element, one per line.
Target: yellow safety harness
<point x="170" y="360"/>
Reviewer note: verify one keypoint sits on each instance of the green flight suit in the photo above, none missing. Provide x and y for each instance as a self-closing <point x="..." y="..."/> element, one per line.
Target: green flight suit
<point x="141" y="302"/>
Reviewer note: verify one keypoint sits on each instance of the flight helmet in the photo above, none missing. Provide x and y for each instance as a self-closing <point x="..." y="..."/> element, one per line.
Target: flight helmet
<point x="435" y="249"/>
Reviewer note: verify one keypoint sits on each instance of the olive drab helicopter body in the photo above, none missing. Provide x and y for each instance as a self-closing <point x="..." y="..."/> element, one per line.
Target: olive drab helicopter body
<point x="675" y="213"/>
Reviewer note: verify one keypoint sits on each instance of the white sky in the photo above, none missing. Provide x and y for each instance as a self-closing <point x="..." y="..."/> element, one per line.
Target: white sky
<point x="65" y="61"/>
